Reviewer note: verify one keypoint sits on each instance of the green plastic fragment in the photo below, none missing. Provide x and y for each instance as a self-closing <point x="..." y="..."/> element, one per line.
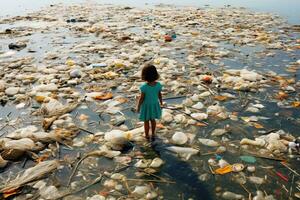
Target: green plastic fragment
<point x="248" y="159"/>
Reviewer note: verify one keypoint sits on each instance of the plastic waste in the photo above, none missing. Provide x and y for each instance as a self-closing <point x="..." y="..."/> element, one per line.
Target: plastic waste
<point x="222" y="163"/>
<point x="75" y="73"/>
<point x="230" y="168"/>
<point x="218" y="132"/>
<point x="232" y="196"/>
<point x="12" y="91"/>
<point x="32" y="174"/>
<point x="208" y="142"/>
<point x="167" y="116"/>
<point x="199" y="116"/>
<point x="168" y="38"/>
<point x="184" y="151"/>
<point x="96" y="65"/>
<point x="140" y="190"/>
<point x="251" y="168"/>
<point x="256" y="180"/>
<point x="2" y="86"/>
<point x="224" y="170"/>
<point x="25" y="144"/>
<point x="179" y="138"/>
<point x="96" y="197"/>
<point x="51" y="87"/>
<point x="198" y="106"/>
<point x="156" y="162"/>
<point x="117" y="137"/>
<point x="256" y="142"/>
<point x="3" y="162"/>
<point x="248" y="159"/>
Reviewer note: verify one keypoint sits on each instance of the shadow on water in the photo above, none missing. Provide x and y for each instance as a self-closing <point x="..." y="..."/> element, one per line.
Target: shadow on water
<point x="187" y="183"/>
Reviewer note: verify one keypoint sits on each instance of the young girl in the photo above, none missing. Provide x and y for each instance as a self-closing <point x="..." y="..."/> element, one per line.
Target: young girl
<point x="150" y="101"/>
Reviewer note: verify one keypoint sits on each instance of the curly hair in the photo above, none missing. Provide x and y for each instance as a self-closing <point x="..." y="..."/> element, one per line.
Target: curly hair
<point x="149" y="73"/>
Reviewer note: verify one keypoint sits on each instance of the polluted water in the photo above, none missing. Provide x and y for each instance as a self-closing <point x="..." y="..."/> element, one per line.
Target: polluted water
<point x="230" y="123"/>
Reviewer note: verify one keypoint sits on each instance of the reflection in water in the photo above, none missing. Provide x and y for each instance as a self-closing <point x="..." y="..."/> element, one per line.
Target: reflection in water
<point x="181" y="172"/>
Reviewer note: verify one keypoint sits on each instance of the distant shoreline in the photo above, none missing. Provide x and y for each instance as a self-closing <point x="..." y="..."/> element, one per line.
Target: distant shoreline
<point x="287" y="10"/>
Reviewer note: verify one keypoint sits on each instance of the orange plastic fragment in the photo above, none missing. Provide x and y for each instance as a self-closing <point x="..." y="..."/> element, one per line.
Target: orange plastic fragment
<point x="200" y="124"/>
<point x="122" y="100"/>
<point x="10" y="192"/>
<point x="207" y="79"/>
<point x="104" y="97"/>
<point x="168" y="38"/>
<point x="282" y="95"/>
<point x="296" y="104"/>
<point x="39" y="99"/>
<point x="257" y="125"/>
<point x="159" y="125"/>
<point x="224" y="170"/>
<point x="221" y="98"/>
<point x="42" y="158"/>
<point x="104" y="193"/>
<point x="83" y="117"/>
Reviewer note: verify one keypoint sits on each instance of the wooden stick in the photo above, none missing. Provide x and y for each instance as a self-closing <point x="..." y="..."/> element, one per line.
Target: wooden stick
<point x="283" y="186"/>
<point x="290" y="169"/>
<point x="75" y="168"/>
<point x="211" y="170"/>
<point x="291" y="188"/>
<point x="3" y="126"/>
<point x="148" y="180"/>
<point x="267" y="157"/>
<point x="208" y="153"/>
<point x="85" y="130"/>
<point x="127" y="186"/>
<point x="175" y="97"/>
<point x="210" y="90"/>
<point x="245" y="188"/>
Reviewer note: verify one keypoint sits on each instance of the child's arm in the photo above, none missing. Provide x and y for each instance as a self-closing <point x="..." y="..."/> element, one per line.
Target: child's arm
<point x="160" y="98"/>
<point x="140" y="101"/>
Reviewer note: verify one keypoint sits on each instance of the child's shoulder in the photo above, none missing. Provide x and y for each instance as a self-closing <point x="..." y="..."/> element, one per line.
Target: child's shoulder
<point x="143" y="87"/>
<point x="159" y="85"/>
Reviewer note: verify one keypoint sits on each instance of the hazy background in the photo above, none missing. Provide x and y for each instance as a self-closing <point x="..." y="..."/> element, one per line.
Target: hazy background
<point x="289" y="9"/>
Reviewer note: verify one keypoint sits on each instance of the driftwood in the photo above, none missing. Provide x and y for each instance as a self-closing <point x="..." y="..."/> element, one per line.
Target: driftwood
<point x="32" y="174"/>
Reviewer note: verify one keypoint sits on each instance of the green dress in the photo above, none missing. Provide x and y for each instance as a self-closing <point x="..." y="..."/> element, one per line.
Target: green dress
<point x="150" y="108"/>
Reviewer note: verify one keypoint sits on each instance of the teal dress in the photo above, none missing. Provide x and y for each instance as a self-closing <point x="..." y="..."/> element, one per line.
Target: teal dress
<point x="150" y="108"/>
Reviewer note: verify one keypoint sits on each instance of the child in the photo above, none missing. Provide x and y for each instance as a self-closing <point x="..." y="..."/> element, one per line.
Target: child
<point x="150" y="100"/>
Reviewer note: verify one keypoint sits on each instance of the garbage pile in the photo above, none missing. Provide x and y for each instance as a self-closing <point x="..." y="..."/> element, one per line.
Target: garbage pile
<point x="69" y="78"/>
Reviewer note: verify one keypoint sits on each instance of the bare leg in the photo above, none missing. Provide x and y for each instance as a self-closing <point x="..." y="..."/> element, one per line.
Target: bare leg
<point x="153" y="127"/>
<point x="146" y="128"/>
